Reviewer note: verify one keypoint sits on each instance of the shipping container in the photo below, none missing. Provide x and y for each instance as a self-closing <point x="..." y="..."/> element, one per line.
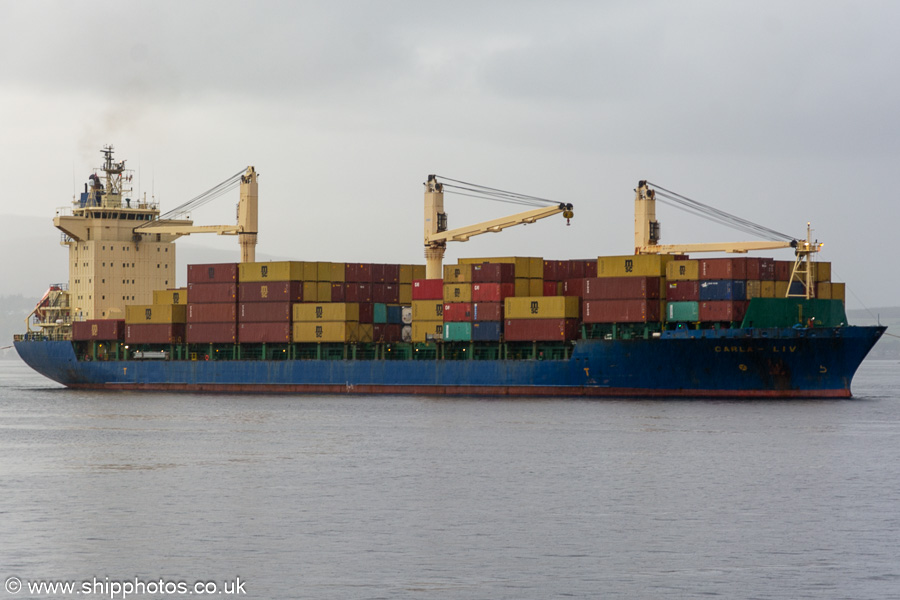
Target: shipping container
<point x="822" y="271"/>
<point x="323" y="271"/>
<point x="540" y="307"/>
<point x="326" y="332"/>
<point x="783" y="270"/>
<point x="404" y="295"/>
<point x="391" y="274"/>
<point x="753" y="267"/>
<point x="486" y="331"/>
<point x="323" y="291"/>
<point x="387" y="332"/>
<point x="494" y="273"/>
<point x="823" y="290"/>
<point x="338" y="292"/>
<point x="178" y="296"/>
<point x="574" y="287"/>
<point x="358" y="292"/>
<point x="286" y="270"/>
<point x="723" y="268"/>
<point x="781" y="289"/>
<point x="540" y="330"/>
<point x="525" y="266"/>
<point x="458" y="292"/>
<point x="683" y="270"/>
<point x="688" y="311"/>
<point x="683" y="291"/>
<point x="326" y="311"/>
<point x="723" y="289"/>
<point x="386" y="293"/>
<point x="622" y="311"/>
<point x="556" y="270"/>
<point x="457" y="332"/>
<point x="156" y="313"/>
<point x="107" y="330"/>
<point x="213" y="273"/>
<point x="723" y="311"/>
<point x="458" y="312"/>
<point x="366" y="314"/>
<point x="206" y="293"/>
<point x="271" y="291"/>
<point x="492" y="292"/>
<point x="358" y="273"/>
<point x="552" y="288"/>
<point x="754" y="289"/>
<point x="487" y="311"/>
<point x="404" y="274"/>
<point x="522" y="286"/>
<point x="311" y="291"/>
<point x="767" y="289"/>
<point x="630" y="265"/>
<point x="265" y="333"/>
<point x="428" y="289"/>
<point x="535" y="287"/>
<point x="338" y="272"/>
<point x="767" y="269"/>
<point x="428" y="310"/>
<point x="423" y="331"/>
<point x="211" y="333"/>
<point x="457" y="274"/>
<point x="838" y="291"/>
<point x="622" y="288"/>
<point x="265" y="312"/>
<point x="395" y="314"/>
<point x="155" y="333"/>
<point x="212" y="313"/>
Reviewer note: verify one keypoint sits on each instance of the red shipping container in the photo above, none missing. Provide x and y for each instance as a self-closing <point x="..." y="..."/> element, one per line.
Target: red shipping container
<point x="428" y="289"/>
<point x="487" y="311"/>
<point x="492" y="292"/>
<point x="211" y="313"/>
<point x="556" y="270"/>
<point x="107" y="330"/>
<point x="265" y="312"/>
<point x="211" y="333"/>
<point x="766" y="269"/>
<point x="207" y="293"/>
<point x="723" y="268"/>
<point x="391" y="273"/>
<point x="458" y="312"/>
<point x="387" y="332"/>
<point x="579" y="268"/>
<point x="155" y="333"/>
<point x="723" y="310"/>
<point x="621" y="311"/>
<point x="366" y="312"/>
<point x="551" y="288"/>
<point x="683" y="291"/>
<point x="358" y="292"/>
<point x="493" y="273"/>
<point x="754" y="267"/>
<point x="358" y="273"/>
<point x="574" y="287"/>
<point x="269" y="333"/>
<point x="590" y="268"/>
<point x="338" y="292"/>
<point x="386" y="293"/>
<point x="271" y="291"/>
<point x="621" y="288"/>
<point x="783" y="270"/>
<point x="540" y="330"/>
<point x="213" y="273"/>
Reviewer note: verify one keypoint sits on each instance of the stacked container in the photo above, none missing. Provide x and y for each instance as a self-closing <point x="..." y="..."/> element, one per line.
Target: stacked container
<point x="212" y="297"/>
<point x="98" y="330"/>
<point x="492" y="284"/>
<point x="155" y="323"/>
<point x="458" y="309"/>
<point x="268" y="293"/>
<point x="539" y="318"/>
<point x="329" y="322"/>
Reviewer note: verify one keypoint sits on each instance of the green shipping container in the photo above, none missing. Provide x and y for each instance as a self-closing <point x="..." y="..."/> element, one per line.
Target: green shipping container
<point x="682" y="311"/>
<point x="788" y="312"/>
<point x="457" y="332"/>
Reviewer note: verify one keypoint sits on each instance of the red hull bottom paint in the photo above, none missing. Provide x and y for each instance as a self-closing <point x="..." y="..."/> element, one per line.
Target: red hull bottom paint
<point x="435" y="390"/>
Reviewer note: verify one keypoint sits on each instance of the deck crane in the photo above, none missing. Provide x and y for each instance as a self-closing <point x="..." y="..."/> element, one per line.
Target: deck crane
<point x="437" y="235"/>
<point x="647" y="235"/>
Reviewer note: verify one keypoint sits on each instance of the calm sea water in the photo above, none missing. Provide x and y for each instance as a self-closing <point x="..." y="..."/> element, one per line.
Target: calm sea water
<point x="422" y="497"/>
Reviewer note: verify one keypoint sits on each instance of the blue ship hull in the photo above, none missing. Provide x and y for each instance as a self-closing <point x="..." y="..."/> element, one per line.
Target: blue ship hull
<point x="761" y="363"/>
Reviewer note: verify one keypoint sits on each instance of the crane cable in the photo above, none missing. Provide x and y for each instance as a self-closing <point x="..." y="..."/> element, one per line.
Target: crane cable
<point x="202" y="199"/>
<point x="488" y="193"/>
<point x="718" y="216"/>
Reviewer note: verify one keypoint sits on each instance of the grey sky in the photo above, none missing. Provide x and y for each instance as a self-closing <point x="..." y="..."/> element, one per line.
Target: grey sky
<point x="780" y="112"/>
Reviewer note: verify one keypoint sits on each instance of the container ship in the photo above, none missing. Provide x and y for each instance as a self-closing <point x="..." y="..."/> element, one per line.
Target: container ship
<point x="655" y="323"/>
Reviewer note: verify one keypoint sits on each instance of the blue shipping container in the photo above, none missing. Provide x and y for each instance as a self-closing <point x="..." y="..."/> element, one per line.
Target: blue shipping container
<point x="723" y="289"/>
<point x="486" y="331"/>
<point x="395" y="314"/>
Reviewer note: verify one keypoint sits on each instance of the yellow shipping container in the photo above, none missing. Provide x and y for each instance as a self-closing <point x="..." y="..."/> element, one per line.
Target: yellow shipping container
<point x="311" y="292"/>
<point x="288" y="270"/>
<point x="427" y="310"/>
<point x="457" y="274"/>
<point x="405" y="293"/>
<point x="328" y="331"/>
<point x="457" y="292"/>
<point x="536" y="287"/>
<point x="629" y="265"/>
<point x="754" y="287"/>
<point x="767" y="289"/>
<point x="823" y="290"/>
<point x="310" y="271"/>
<point x="366" y="332"/>
<point x="781" y="289"/>
<point x="178" y="296"/>
<point x="323" y="291"/>
<point x="522" y="286"/>
<point x="326" y="311"/>
<point x="839" y="291"/>
<point x="823" y="271"/>
<point x="406" y="274"/>
<point x="423" y="330"/>
<point x="323" y="271"/>
<point x="338" y="271"/>
<point x="155" y="313"/>
<point x="683" y="270"/>
<point x="540" y="307"/>
<point x="418" y="272"/>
